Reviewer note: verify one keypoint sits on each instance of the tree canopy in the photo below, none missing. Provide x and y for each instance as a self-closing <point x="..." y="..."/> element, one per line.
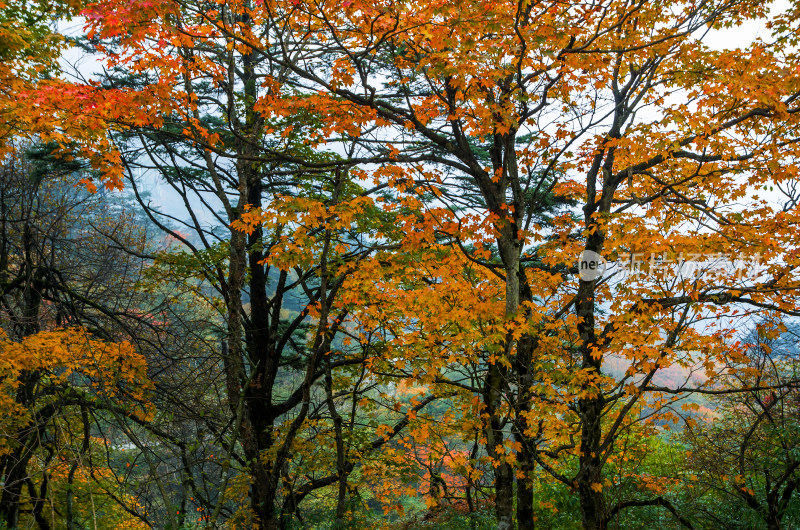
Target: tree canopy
<point x="486" y="262"/>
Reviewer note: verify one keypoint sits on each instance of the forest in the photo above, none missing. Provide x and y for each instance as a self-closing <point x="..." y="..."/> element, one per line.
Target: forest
<point x="354" y="264"/>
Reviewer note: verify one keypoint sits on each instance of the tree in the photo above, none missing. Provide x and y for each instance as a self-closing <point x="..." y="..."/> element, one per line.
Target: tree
<point x="39" y="106"/>
<point x="29" y="50"/>
<point x="745" y="460"/>
<point x="272" y="229"/>
<point x="663" y="144"/>
<point x="63" y="338"/>
<point x="443" y="84"/>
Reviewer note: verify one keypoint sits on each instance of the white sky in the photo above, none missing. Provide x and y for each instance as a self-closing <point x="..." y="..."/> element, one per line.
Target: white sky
<point x="745" y="34"/>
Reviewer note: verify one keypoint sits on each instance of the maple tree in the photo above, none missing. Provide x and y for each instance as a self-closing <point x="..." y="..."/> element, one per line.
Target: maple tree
<point x="272" y="229"/>
<point x="29" y="49"/>
<point x="457" y="83"/>
<point x="577" y="81"/>
<point x="383" y="191"/>
<point x="62" y="338"/>
<point x="36" y="103"/>
<point x="43" y="375"/>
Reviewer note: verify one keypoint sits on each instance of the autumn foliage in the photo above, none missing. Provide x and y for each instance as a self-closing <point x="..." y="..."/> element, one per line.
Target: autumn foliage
<point x="475" y="262"/>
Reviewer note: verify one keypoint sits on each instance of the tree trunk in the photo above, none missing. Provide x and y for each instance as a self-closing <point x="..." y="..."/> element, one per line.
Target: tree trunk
<point x="590" y="409"/>
<point x="525" y="457"/>
<point x="503" y="473"/>
<point x="504" y="500"/>
<point x="15" y="472"/>
<point x="525" y="492"/>
<point x="590" y="476"/>
<point x="497" y="385"/>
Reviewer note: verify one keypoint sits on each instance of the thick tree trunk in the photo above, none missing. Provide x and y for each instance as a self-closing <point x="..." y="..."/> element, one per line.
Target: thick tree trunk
<point x="495" y="436"/>
<point x="525" y="457"/>
<point x="525" y="492"/>
<point x="590" y="476"/>
<point x="497" y="389"/>
<point x="254" y="425"/>
<point x="497" y="385"/>
<point x="590" y="406"/>
<point x="773" y="518"/>
<point x="263" y="491"/>
<point x="590" y="409"/>
<point x="504" y="496"/>
<point x="258" y="351"/>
